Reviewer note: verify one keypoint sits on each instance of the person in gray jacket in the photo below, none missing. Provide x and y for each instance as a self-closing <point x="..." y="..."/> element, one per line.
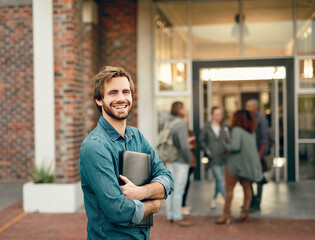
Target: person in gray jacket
<point x="211" y="139"/>
<point x="180" y="167"/>
<point x="243" y="163"/>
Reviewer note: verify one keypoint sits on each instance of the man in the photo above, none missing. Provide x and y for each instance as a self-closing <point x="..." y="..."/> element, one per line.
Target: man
<point x="212" y="137"/>
<point x="180" y="166"/>
<point x="262" y="143"/>
<point x="113" y="210"/>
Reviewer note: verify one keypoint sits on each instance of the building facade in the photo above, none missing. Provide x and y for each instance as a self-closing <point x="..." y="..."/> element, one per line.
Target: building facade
<point x="204" y="53"/>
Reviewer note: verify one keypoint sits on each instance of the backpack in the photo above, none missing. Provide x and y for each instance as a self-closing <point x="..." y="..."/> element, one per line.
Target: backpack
<point x="166" y="149"/>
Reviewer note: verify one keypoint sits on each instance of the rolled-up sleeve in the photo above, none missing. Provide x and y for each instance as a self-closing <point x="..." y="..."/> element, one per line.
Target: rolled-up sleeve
<point x="139" y="212"/>
<point x="166" y="184"/>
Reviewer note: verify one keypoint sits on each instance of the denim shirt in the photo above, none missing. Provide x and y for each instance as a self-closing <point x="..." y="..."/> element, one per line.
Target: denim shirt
<point x="110" y="214"/>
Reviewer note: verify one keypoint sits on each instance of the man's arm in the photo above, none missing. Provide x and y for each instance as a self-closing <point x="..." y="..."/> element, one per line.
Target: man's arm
<point x="151" y="206"/>
<point x="153" y="190"/>
<point x="264" y="136"/>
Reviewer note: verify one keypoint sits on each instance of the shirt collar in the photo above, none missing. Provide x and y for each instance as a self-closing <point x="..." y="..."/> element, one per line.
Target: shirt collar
<point x="111" y="131"/>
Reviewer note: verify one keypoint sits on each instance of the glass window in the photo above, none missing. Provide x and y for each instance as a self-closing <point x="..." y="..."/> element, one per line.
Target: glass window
<point x="306" y="116"/>
<point x="171" y="31"/>
<point x="307" y="79"/>
<point x="172" y="76"/>
<point x="268" y="28"/>
<point x="214" y="29"/>
<point x="305" y="10"/>
<point x="307" y="161"/>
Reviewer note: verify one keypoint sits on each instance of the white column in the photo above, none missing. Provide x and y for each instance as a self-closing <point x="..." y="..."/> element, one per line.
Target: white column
<point x="145" y="78"/>
<point x="44" y="107"/>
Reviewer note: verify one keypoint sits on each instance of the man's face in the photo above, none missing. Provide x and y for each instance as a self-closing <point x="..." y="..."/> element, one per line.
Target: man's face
<point x="217" y="115"/>
<point x="117" y="99"/>
<point x="250" y="107"/>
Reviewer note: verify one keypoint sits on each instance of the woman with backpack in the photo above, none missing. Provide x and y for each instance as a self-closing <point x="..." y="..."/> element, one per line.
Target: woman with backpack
<point x="179" y="166"/>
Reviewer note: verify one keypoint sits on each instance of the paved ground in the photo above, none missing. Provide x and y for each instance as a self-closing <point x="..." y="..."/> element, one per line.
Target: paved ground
<point x="288" y="212"/>
<point x="34" y="226"/>
<point x="10" y="193"/>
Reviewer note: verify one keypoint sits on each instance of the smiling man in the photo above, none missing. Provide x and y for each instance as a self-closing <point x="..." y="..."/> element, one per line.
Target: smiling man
<point x="114" y="210"/>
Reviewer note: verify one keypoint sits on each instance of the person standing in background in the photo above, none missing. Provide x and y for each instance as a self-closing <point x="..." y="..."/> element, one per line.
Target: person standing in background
<point x="192" y="143"/>
<point x="212" y="136"/>
<point x="179" y="167"/>
<point x="243" y="164"/>
<point x="262" y="143"/>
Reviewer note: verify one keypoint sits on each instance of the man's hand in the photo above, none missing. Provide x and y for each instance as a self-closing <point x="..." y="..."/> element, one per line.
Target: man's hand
<point x="131" y="191"/>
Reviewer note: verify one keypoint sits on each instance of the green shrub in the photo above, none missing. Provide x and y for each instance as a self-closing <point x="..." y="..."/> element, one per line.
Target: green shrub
<point x="42" y="174"/>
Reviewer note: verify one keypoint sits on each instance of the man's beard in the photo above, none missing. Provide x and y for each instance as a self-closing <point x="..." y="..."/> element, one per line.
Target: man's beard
<point x="111" y="113"/>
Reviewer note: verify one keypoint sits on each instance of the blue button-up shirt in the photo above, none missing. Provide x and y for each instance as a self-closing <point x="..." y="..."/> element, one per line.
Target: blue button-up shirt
<point x="110" y="214"/>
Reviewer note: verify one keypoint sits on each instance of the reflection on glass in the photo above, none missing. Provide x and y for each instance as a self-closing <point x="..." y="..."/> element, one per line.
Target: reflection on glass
<point x="307" y="116"/>
<point x="269" y="26"/>
<point x="171" y="31"/>
<point x="307" y="78"/>
<point x="172" y="76"/>
<point x="164" y="107"/>
<point x="215" y="30"/>
<point x="307" y="161"/>
<point x="305" y="10"/>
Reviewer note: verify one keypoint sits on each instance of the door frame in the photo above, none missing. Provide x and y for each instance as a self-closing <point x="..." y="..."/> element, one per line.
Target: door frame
<point x="288" y="63"/>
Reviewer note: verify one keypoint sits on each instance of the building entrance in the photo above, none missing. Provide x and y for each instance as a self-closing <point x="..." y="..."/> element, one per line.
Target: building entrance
<point x="229" y="87"/>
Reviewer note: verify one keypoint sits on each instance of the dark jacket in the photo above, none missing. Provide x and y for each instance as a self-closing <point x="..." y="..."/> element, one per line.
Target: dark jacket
<point x="209" y="141"/>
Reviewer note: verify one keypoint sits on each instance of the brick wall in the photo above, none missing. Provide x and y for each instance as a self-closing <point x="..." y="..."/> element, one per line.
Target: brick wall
<point x="16" y="91"/>
<point x="69" y="88"/>
<point x="118" y="40"/>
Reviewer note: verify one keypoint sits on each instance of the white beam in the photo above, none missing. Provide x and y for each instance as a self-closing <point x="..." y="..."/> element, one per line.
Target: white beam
<point x="44" y="107"/>
<point x="146" y="116"/>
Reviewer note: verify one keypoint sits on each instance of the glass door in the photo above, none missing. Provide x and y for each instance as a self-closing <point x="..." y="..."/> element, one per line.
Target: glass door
<point x="230" y="88"/>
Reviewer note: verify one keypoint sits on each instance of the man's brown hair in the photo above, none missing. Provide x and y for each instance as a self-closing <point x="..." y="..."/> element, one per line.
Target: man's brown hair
<point x="104" y="76"/>
<point x="245" y="120"/>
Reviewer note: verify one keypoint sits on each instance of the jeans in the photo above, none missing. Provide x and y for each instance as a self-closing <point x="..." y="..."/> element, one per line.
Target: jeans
<point x="174" y="202"/>
<point x="218" y="173"/>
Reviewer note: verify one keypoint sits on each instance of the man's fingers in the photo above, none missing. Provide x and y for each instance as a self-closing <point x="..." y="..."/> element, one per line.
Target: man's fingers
<point x="126" y="180"/>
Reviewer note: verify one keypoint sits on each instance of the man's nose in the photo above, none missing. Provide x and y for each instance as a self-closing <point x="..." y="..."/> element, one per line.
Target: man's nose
<point x="120" y="96"/>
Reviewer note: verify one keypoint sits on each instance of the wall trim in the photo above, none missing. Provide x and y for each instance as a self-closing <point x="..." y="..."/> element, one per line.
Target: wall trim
<point x="44" y="87"/>
<point x="145" y="84"/>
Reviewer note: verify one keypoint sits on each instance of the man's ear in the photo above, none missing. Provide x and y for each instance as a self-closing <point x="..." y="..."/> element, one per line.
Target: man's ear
<point x="99" y="102"/>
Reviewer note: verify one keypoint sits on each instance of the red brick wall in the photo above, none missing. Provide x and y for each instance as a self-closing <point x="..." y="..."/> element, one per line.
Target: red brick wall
<point x="118" y="40"/>
<point x="69" y="88"/>
<point x="16" y="92"/>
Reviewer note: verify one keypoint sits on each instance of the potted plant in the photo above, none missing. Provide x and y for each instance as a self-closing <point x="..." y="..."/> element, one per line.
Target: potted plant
<point x="43" y="195"/>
